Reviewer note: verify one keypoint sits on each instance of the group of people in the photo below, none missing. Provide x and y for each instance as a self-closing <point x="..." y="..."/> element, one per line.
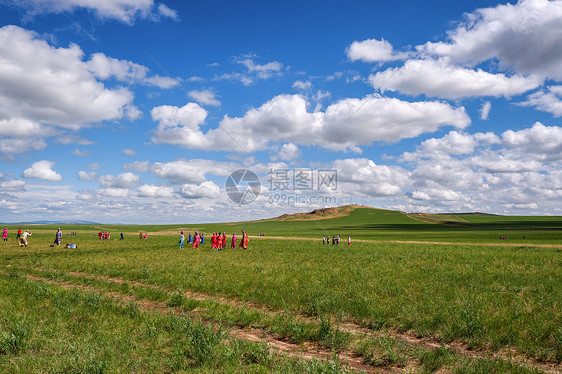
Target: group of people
<point x="218" y="241"/>
<point x="104" y="235"/>
<point x="21" y="237"/>
<point x="335" y="240"/>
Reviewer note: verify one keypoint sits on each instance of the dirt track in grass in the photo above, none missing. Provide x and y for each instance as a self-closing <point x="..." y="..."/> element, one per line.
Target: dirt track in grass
<point x="307" y="350"/>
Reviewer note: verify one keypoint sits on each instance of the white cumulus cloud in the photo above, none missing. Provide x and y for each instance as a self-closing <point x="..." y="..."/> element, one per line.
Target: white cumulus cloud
<point x="204" y="190"/>
<point x="126" y="11"/>
<point x="437" y="78"/>
<point x="123" y="180"/>
<point x="373" y="50"/>
<point x="526" y="37"/>
<point x="42" y="170"/>
<point x="344" y="125"/>
<point x="149" y="190"/>
<point x="204" y="97"/>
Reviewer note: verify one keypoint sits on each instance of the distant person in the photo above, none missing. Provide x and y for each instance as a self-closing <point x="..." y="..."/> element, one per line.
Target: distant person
<point x="244" y="241"/>
<point x="323" y="239"/>
<point x="190" y="238"/>
<point x="196" y="240"/>
<point x="202" y="238"/>
<point x="349" y="240"/>
<point x="19" y="234"/>
<point x="23" y="239"/>
<point x="58" y="236"/>
<point x="146" y="235"/>
<point x="5" y="234"/>
<point x="182" y="238"/>
<point x="233" y="244"/>
<point x="223" y="240"/>
<point x="140" y="235"/>
<point x="121" y="236"/>
<point x="214" y="241"/>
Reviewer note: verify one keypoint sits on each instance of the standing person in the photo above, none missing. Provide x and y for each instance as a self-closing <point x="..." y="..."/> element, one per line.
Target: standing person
<point x="58" y="237"/>
<point x="189" y="238"/>
<point x="196" y="240"/>
<point x="140" y="234"/>
<point x="214" y="241"/>
<point x="323" y="239"/>
<point x="121" y="236"/>
<point x="202" y="238"/>
<point x="5" y="234"/>
<point x="349" y="240"/>
<point x="223" y="240"/>
<point x="23" y="239"/>
<point x="19" y="234"/>
<point x="182" y="238"/>
<point x="233" y="244"/>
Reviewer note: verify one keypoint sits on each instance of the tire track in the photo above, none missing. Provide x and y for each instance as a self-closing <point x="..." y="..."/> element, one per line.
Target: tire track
<point x="309" y="351"/>
<point x="353" y="328"/>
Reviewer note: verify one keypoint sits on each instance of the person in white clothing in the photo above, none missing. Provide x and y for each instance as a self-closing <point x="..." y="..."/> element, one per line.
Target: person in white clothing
<point x="23" y="238"/>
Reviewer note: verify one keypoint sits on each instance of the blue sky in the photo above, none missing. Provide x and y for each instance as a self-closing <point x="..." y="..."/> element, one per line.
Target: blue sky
<point x="127" y="111"/>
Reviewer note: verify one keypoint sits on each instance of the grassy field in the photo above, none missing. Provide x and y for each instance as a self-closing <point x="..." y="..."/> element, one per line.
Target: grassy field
<point x="394" y="301"/>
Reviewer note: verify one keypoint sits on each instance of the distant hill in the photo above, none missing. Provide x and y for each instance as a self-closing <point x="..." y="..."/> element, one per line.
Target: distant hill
<point x="470" y="214"/>
<point x="76" y="222"/>
<point x="320" y="213"/>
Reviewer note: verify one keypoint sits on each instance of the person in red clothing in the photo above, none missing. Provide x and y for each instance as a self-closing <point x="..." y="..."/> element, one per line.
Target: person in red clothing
<point x="244" y="241"/>
<point x="214" y="241"/>
<point x="196" y="240"/>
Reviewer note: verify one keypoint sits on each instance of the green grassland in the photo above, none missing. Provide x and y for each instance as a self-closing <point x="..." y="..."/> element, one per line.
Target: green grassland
<point x="367" y="224"/>
<point x="474" y="290"/>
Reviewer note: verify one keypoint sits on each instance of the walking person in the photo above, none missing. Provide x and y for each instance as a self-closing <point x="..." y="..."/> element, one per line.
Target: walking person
<point x="19" y="234"/>
<point x="244" y="241"/>
<point x="233" y="244"/>
<point x="5" y="234"/>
